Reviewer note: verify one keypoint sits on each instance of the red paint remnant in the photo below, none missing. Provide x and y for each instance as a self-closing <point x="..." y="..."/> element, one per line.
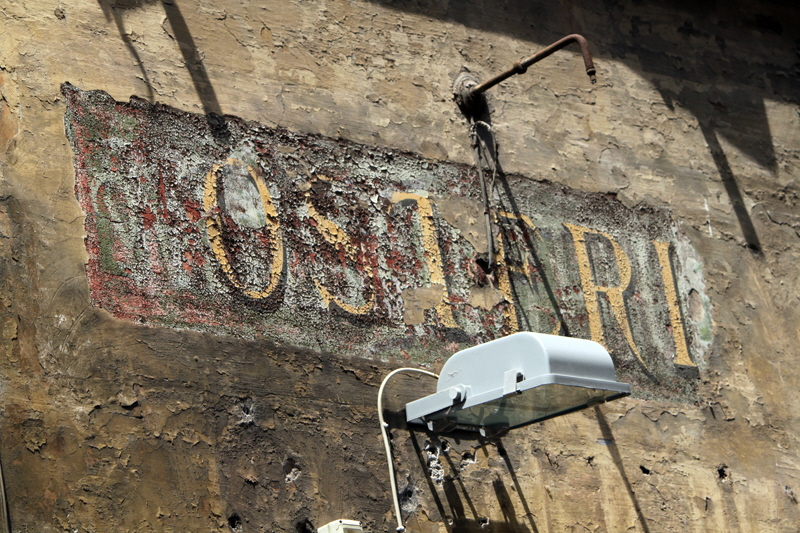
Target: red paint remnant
<point x="192" y="210"/>
<point x="187" y="261"/>
<point x="148" y="218"/>
<point x="162" y="189"/>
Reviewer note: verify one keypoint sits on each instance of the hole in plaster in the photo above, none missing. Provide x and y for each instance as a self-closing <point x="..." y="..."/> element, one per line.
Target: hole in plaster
<point x="292" y="476"/>
<point x="484" y="265"/>
<point x="590" y="460"/>
<point x="646" y="471"/>
<point x="406" y="493"/>
<point x="304" y="526"/>
<point x="483" y="521"/>
<point x="247" y="414"/>
<point x="435" y="468"/>
<point x="408" y="498"/>
<point x="722" y="473"/>
<point x="290" y="470"/>
<point x="467" y="458"/>
<point x="234" y="522"/>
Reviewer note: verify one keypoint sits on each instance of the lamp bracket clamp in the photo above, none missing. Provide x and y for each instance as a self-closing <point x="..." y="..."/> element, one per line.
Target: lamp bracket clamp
<point x="511" y="378"/>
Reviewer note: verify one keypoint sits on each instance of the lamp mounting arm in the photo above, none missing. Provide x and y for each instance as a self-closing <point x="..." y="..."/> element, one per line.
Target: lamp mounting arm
<point x="466" y="89"/>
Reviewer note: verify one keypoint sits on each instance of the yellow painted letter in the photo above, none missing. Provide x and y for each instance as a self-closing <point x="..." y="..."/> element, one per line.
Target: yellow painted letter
<point x="590" y="288"/>
<point x="337" y="237"/>
<point x="433" y="255"/>
<point x="681" y="350"/>
<point x="213" y="226"/>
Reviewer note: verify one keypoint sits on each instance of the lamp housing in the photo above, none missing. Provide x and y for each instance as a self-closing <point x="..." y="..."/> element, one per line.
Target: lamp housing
<point x="341" y="526"/>
<point x="517" y="380"/>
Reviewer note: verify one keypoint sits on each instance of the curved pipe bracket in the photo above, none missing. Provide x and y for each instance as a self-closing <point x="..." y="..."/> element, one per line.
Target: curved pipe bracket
<point x="467" y="90"/>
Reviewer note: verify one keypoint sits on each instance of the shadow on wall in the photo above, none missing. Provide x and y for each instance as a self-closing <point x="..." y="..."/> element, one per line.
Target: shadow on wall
<point x="694" y="54"/>
<point x="689" y="45"/>
<point x="113" y="9"/>
<point x="694" y="46"/>
<point x="485" y="147"/>
<point x="608" y="437"/>
<point x="459" y="513"/>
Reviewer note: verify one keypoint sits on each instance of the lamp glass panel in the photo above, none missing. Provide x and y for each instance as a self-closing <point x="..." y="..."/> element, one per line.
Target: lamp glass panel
<point x="530" y="406"/>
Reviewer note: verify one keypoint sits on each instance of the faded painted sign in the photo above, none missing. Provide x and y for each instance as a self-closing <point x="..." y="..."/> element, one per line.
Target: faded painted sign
<point x="231" y="227"/>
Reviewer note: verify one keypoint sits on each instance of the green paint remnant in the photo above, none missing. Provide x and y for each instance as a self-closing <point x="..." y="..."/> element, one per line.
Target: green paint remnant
<point x="106" y="234"/>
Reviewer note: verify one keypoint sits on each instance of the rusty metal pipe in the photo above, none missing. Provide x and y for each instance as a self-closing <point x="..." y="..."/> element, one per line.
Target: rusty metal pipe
<point x="521" y="66"/>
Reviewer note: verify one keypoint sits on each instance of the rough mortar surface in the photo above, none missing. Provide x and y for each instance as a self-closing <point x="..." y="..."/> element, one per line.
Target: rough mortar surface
<point x="150" y="383"/>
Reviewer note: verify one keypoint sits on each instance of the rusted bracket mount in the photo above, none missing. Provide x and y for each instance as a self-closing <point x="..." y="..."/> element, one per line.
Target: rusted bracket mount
<point x="469" y="102"/>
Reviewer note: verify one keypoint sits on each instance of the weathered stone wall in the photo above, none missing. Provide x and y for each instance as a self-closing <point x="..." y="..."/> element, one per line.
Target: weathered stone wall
<point x="131" y="402"/>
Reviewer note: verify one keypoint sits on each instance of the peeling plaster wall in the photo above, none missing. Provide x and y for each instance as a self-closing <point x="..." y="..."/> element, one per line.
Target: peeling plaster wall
<point x="112" y="425"/>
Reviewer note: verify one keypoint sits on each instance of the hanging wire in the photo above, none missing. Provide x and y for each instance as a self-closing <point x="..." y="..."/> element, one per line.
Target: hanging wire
<point x="387" y="445"/>
<point x="482" y="152"/>
<point x="5" y="517"/>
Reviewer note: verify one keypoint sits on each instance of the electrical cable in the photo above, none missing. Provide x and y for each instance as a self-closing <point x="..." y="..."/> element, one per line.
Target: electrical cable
<point x="5" y="518"/>
<point x="477" y="141"/>
<point x="384" y="425"/>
